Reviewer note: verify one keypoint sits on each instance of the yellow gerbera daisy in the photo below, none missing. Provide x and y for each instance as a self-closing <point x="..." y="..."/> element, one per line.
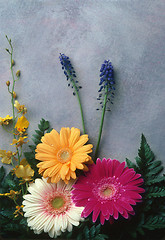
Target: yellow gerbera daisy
<point x="61" y="154"/>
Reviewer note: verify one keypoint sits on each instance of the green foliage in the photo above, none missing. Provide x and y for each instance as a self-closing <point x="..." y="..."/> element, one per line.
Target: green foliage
<point x="86" y="230"/>
<point x="92" y="233"/>
<point x="151" y="214"/>
<point x="43" y="127"/>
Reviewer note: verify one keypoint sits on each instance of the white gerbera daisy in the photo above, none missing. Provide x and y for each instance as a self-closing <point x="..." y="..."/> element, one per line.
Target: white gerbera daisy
<point x="49" y="207"/>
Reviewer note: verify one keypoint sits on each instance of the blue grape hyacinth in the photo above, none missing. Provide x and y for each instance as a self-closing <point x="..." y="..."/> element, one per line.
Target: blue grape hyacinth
<point x="106" y="83"/>
<point x="69" y="72"/>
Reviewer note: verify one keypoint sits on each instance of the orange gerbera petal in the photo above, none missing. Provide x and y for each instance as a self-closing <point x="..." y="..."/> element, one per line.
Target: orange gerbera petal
<point x="74" y="136"/>
<point x="60" y="154"/>
<point x="52" y="138"/>
<point x="64" y="136"/>
<point x="82" y="140"/>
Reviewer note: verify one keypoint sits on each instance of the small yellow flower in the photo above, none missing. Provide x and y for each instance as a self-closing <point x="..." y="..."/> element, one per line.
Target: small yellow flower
<point x="19" y="107"/>
<point x="14" y="94"/>
<point x="21" y="124"/>
<point x="19" y="142"/>
<point x="6" y="120"/>
<point x="26" y="173"/>
<point x="24" y="162"/>
<point x="19" y="210"/>
<point x="12" y="194"/>
<point x="6" y="156"/>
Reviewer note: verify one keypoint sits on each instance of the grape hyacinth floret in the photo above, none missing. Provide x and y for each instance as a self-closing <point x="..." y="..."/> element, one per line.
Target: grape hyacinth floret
<point x="69" y="72"/>
<point x="106" y="82"/>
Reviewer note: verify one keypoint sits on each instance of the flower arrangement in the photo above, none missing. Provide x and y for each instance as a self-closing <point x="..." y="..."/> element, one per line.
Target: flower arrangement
<point x="58" y="190"/>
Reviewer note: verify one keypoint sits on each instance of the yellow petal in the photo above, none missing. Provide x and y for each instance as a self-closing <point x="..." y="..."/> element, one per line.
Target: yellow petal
<point x="52" y="138"/>
<point x="64" y="135"/>
<point x="74" y="136"/>
<point x="64" y="170"/>
<point x="6" y="160"/>
<point x="82" y="140"/>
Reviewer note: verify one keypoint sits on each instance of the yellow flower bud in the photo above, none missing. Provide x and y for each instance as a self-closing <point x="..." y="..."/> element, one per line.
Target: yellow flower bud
<point x="12" y="62"/>
<point x="8" y="83"/>
<point x="14" y="95"/>
<point x="18" y="73"/>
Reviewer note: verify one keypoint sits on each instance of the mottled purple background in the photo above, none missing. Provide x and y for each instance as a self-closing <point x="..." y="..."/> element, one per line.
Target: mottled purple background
<point x="130" y="33"/>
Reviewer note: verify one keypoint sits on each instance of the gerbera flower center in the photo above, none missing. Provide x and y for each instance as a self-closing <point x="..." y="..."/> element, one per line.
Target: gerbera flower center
<point x="58" y="202"/>
<point x="64" y="155"/>
<point x="108" y="191"/>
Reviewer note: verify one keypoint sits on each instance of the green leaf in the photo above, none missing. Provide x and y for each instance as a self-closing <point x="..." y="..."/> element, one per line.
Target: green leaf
<point x="158" y="179"/>
<point x="154" y="222"/>
<point x="131" y="165"/>
<point x="154" y="171"/>
<point x="86" y="233"/>
<point x="7" y="213"/>
<point x="145" y="151"/>
<point x="2" y="173"/>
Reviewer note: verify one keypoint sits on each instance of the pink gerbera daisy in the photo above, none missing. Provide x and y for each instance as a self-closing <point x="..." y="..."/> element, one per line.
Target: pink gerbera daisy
<point x="109" y="188"/>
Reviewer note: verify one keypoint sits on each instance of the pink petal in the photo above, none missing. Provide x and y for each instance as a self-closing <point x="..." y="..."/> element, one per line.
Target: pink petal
<point x="125" y="178"/>
<point x="110" y="168"/>
<point x="119" y="169"/>
<point x="125" y="205"/>
<point x="115" y="213"/>
<point x="125" y="214"/>
<point x="131" y="195"/>
<point x="100" y="168"/>
<point x="110" y="207"/>
<point x="134" y="188"/>
<point x="115" y="163"/>
<point x="96" y="212"/>
<point x="119" y="207"/>
<point x="102" y="219"/>
<point x="88" y="209"/>
<point x="104" y="209"/>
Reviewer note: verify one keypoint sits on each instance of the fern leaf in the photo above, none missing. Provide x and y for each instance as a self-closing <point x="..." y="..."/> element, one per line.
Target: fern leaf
<point x="158" y="179"/>
<point x="154" y="222"/>
<point x="132" y="165"/>
<point x="145" y="152"/>
<point x="155" y="192"/>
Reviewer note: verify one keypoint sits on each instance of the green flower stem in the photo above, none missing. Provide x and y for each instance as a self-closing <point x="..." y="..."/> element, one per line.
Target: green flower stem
<point x="12" y="98"/>
<point x="101" y="125"/>
<point x="22" y="190"/>
<point x="26" y="188"/>
<point x="12" y="162"/>
<point x="81" y="110"/>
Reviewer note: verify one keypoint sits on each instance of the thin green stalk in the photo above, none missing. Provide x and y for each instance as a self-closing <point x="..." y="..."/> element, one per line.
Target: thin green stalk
<point x="81" y="110"/>
<point x="101" y="124"/>
<point x="12" y="97"/>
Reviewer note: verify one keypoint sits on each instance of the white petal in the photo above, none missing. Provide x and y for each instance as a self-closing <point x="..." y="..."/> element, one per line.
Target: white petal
<point x="51" y="232"/>
<point x="70" y="184"/>
<point x="32" y="198"/>
<point x="64" y="223"/>
<point x="74" y="215"/>
<point x="48" y="224"/>
<point x="61" y="185"/>
<point x="72" y="221"/>
<point x="70" y="227"/>
<point x="57" y="224"/>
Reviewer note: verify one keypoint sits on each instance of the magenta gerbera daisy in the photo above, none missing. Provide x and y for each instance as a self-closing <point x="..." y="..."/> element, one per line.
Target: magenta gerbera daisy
<point x="108" y="189"/>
